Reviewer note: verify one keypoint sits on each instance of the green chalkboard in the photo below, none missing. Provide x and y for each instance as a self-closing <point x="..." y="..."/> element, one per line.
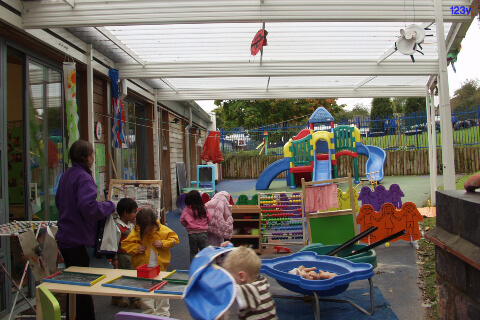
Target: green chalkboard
<point x="332" y="230"/>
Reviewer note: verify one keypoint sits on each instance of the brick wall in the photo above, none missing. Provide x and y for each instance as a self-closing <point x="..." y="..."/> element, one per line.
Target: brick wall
<point x="457" y="246"/>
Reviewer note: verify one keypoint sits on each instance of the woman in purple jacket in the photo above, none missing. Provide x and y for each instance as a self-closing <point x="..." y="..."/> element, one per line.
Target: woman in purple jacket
<point x="79" y="213"/>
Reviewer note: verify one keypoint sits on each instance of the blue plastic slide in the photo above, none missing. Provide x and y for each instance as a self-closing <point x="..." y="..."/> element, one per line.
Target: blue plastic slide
<point x="376" y="159"/>
<point x="322" y="170"/>
<point x="273" y="170"/>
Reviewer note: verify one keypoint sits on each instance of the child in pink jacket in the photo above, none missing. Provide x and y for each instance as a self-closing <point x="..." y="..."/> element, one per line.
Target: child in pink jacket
<point x="194" y="218"/>
<point x="220" y="220"/>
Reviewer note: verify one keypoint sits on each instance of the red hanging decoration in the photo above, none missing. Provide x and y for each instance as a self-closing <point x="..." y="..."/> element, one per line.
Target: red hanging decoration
<point x="259" y="41"/>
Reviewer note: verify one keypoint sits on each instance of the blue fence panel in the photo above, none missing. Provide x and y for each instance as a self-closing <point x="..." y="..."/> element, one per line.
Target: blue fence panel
<point x="404" y="131"/>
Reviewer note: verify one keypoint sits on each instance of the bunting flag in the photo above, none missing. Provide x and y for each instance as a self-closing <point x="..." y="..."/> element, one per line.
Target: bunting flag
<point x="118" y="140"/>
<point x="70" y="84"/>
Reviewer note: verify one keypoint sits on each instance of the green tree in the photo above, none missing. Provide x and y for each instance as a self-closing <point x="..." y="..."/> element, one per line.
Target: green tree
<point x="359" y="110"/>
<point x="243" y="113"/>
<point x="415" y="105"/>
<point x="218" y="114"/>
<point x="468" y="95"/>
<point x="398" y="105"/>
<point x="381" y="109"/>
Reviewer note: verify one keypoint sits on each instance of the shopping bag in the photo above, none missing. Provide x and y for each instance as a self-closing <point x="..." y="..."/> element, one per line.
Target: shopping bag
<point x="108" y="237"/>
<point x="50" y="249"/>
<point x="33" y="253"/>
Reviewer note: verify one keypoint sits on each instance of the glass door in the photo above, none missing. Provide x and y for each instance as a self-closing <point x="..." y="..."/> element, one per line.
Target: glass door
<point x="31" y="155"/>
<point x="45" y="139"/>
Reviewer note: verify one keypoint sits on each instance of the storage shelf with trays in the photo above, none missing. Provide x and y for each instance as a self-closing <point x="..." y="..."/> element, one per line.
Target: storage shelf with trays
<point x="247" y="218"/>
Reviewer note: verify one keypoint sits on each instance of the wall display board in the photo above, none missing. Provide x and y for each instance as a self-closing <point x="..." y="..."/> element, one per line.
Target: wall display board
<point x="134" y="283"/>
<point x="75" y="278"/>
<point x="282" y="218"/>
<point x="144" y="192"/>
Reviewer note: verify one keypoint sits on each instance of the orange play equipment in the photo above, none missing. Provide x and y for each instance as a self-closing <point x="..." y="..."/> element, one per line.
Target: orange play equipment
<point x="389" y="221"/>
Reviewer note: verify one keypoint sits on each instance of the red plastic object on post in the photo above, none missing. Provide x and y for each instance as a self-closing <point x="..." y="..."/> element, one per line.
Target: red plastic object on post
<point x="145" y="272"/>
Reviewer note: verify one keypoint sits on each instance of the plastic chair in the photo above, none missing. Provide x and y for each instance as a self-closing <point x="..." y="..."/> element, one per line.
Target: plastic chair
<point x="49" y="304"/>
<point x="139" y="316"/>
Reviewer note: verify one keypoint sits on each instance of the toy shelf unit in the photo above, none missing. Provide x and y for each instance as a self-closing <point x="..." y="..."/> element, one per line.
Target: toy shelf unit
<point x="282" y="218"/>
<point x="246" y="221"/>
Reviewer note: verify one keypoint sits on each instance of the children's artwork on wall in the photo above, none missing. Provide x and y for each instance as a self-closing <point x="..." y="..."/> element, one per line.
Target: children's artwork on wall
<point x="15" y="161"/>
<point x="380" y="196"/>
<point x="390" y="220"/>
<point x="144" y="192"/>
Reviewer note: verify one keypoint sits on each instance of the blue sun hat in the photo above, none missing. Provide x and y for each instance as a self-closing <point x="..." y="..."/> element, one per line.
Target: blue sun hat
<point x="211" y="289"/>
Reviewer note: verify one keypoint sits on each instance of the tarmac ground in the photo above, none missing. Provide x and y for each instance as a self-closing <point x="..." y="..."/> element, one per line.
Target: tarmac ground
<point x="395" y="278"/>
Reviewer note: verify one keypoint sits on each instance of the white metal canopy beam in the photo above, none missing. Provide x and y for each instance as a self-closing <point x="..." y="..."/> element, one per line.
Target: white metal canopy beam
<point x="279" y="68"/>
<point x="49" y="14"/>
<point x="110" y="36"/>
<point x="448" y="158"/>
<point x="290" y="93"/>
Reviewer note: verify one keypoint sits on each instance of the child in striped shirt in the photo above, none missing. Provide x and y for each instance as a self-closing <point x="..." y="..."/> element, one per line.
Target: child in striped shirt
<point x="253" y="298"/>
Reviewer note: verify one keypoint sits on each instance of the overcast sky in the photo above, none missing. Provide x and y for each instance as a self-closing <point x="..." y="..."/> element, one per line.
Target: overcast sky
<point x="467" y="66"/>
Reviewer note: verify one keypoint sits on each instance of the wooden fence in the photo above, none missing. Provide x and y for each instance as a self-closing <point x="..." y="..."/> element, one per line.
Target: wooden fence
<point x="405" y="162"/>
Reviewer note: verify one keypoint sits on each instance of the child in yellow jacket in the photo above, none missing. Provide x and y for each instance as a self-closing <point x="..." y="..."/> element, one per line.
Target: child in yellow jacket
<point x="149" y="243"/>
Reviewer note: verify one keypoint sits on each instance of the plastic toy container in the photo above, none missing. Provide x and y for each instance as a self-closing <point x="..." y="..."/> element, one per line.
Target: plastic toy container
<point x="145" y="272"/>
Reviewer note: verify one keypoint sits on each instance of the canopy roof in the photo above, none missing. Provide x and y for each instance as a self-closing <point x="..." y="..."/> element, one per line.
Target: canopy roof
<point x="200" y="49"/>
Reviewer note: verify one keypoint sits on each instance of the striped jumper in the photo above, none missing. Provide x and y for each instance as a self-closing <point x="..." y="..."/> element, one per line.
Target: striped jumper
<point x="255" y="301"/>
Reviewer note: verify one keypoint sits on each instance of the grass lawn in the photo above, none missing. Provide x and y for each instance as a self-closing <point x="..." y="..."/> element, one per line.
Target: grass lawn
<point x="426" y="260"/>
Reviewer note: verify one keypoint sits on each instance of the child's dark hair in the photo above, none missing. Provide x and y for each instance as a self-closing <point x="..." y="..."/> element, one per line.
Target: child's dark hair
<point x="126" y="205"/>
<point x="145" y="218"/>
<point x="194" y="201"/>
<point x="80" y="151"/>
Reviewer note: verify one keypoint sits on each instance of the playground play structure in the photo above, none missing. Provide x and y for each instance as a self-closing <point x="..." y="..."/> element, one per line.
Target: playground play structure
<point x="313" y="154"/>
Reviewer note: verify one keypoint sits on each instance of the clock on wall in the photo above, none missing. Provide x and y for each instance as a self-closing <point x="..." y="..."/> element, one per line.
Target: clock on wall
<point x="98" y="130"/>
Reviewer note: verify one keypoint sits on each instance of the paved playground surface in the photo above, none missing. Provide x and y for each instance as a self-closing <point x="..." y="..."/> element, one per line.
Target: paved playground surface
<point x="415" y="188"/>
<point x="397" y="273"/>
<point x="397" y="293"/>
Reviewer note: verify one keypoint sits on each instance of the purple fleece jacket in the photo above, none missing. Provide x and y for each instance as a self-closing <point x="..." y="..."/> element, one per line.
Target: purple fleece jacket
<point x="78" y="208"/>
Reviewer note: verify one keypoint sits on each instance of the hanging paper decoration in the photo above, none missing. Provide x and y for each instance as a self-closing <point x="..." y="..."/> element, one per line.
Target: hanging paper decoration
<point x="452" y="57"/>
<point x="70" y="84"/>
<point x="118" y="140"/>
<point x="259" y="41"/>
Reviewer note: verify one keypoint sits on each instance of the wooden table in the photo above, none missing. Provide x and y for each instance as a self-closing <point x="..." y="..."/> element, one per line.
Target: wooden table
<point x="97" y="289"/>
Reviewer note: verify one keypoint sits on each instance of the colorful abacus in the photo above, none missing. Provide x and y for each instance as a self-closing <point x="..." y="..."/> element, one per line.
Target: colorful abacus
<point x="281" y="214"/>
